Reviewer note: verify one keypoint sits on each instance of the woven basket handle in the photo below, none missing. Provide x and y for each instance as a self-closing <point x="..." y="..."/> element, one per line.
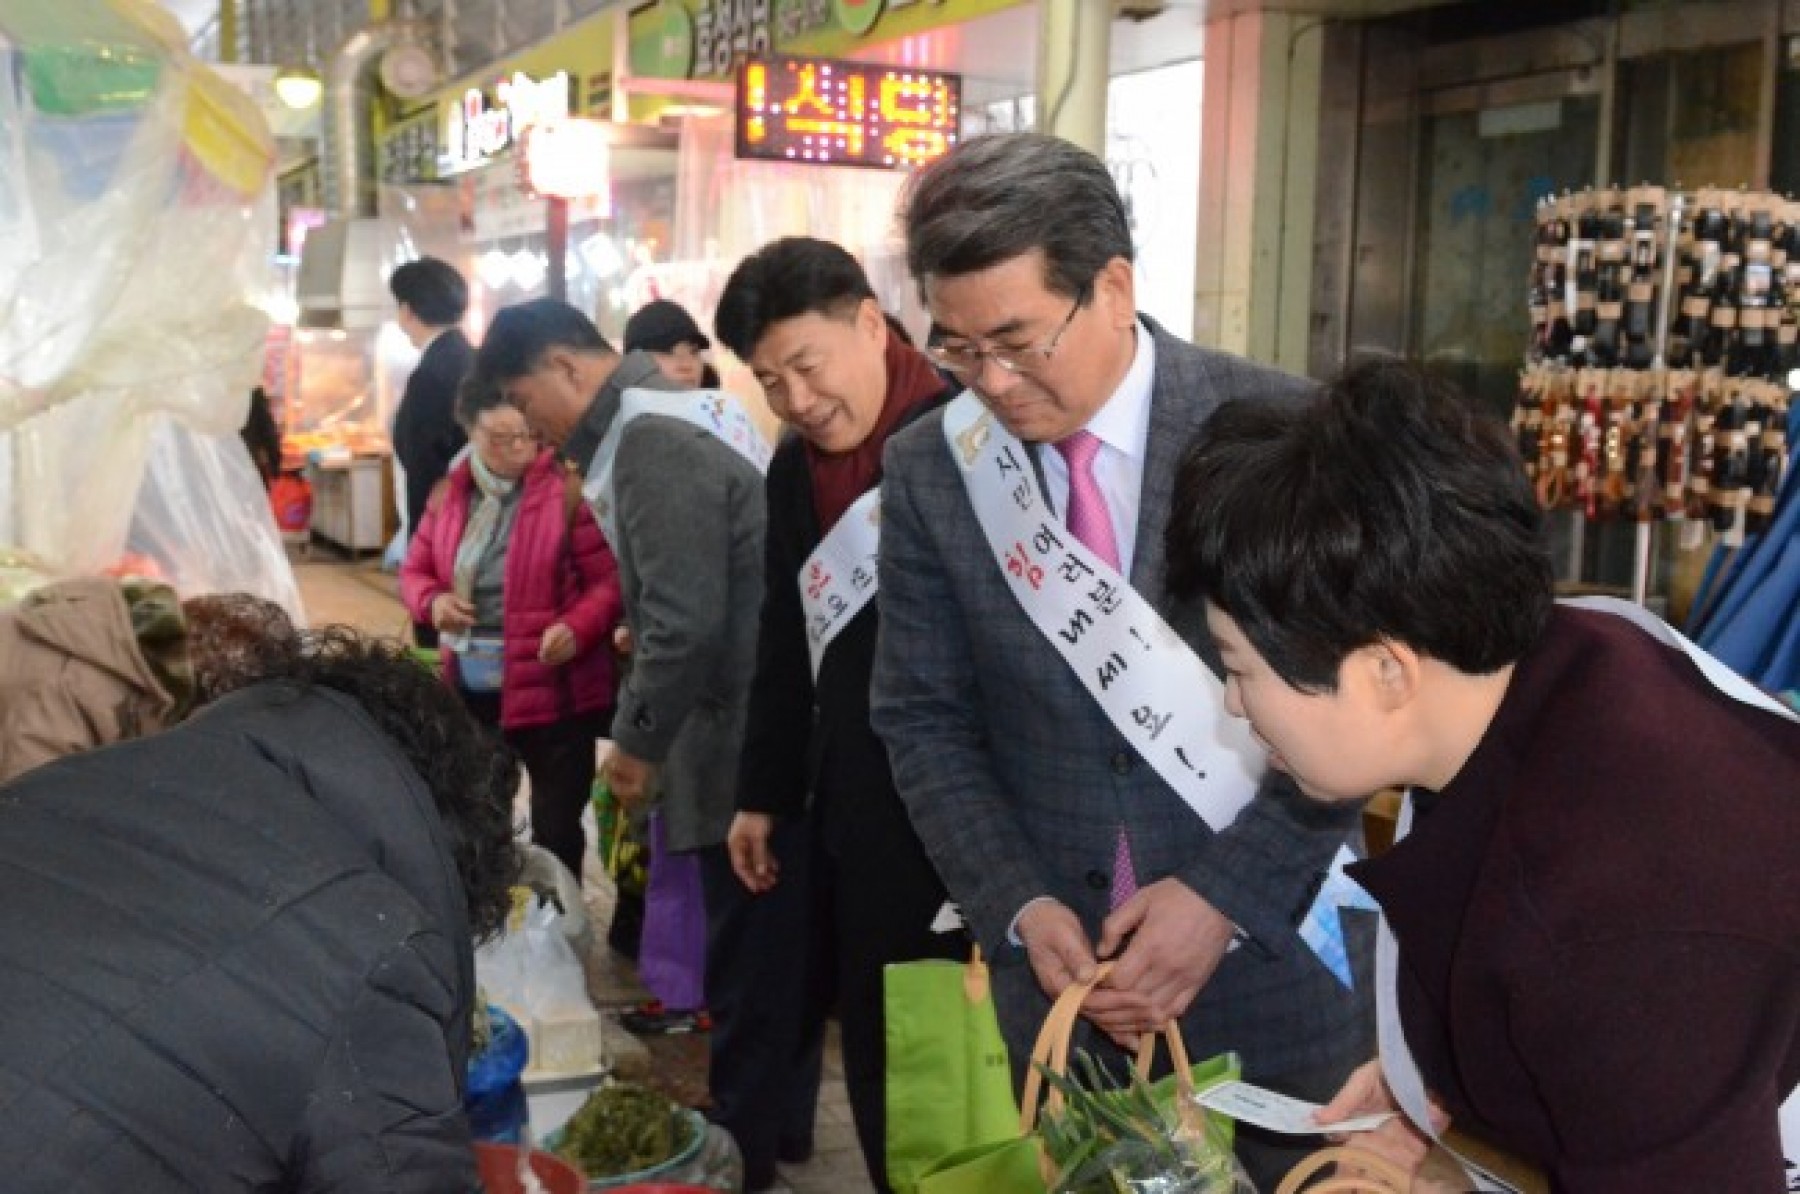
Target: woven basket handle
<point x="1380" y="1176"/>
<point x="1052" y="1050"/>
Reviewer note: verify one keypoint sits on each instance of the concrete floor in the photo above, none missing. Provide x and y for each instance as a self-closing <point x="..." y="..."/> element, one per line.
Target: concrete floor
<point x="360" y="594"/>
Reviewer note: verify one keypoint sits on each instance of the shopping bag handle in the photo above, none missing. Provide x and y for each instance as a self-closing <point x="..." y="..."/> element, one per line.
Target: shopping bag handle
<point x="1187" y="1108"/>
<point x="975" y="978"/>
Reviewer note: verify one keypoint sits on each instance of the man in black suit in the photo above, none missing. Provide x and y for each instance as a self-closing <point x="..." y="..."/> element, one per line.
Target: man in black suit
<point x="432" y="298"/>
<point x="831" y="882"/>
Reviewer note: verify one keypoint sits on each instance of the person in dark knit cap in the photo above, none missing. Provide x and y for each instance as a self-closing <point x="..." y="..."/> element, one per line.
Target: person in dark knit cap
<point x="668" y="333"/>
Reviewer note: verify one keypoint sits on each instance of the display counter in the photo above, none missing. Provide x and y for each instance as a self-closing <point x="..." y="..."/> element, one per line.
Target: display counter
<point x="353" y="502"/>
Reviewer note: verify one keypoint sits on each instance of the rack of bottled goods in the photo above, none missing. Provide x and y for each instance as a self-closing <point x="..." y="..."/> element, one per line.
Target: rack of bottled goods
<point x="1664" y="334"/>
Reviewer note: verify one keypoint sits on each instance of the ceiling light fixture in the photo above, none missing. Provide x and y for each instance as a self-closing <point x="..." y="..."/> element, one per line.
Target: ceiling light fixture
<point x="298" y="87"/>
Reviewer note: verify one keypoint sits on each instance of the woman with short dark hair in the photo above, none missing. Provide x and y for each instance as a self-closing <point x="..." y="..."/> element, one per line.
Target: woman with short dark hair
<point x="513" y="572"/>
<point x="1597" y="935"/>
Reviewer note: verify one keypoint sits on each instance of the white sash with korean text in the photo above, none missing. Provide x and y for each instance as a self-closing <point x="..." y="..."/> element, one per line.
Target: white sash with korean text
<point x="1159" y="694"/>
<point x="838" y="579"/>
<point x="710" y="410"/>
<point x="1397" y="1064"/>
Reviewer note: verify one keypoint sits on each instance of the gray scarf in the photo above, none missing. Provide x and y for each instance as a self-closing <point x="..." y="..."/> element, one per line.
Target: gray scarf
<point x="484" y="524"/>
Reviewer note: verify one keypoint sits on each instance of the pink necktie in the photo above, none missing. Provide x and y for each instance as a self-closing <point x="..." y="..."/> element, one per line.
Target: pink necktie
<point x="1091" y="522"/>
<point x="1089" y="519"/>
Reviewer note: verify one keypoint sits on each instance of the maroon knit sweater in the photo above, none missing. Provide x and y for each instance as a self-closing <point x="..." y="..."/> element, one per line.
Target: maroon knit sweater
<point x="1599" y="922"/>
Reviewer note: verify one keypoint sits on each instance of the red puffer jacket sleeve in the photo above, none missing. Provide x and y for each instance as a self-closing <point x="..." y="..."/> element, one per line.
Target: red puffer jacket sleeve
<point x="430" y="556"/>
<point x="420" y="577"/>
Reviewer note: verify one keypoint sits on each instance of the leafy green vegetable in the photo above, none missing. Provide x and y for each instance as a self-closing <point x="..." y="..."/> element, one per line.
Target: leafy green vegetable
<point x="1110" y="1136"/>
<point x="624" y="1129"/>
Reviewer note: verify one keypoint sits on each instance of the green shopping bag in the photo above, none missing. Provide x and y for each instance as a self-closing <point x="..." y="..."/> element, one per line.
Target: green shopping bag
<point x="949" y="1085"/>
<point x="1018" y="1164"/>
<point x="1001" y="1167"/>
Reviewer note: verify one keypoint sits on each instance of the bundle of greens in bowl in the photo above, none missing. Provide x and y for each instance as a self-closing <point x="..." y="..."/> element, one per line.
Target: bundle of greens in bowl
<point x="1131" y="1136"/>
<point x="624" y="1130"/>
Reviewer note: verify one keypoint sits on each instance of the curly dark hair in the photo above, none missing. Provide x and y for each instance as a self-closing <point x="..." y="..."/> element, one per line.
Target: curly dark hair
<point x="472" y="774"/>
<point x="234" y="638"/>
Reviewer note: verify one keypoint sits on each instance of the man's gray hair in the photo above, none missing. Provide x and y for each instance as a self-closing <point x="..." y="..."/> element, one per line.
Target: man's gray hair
<point x="998" y="197"/>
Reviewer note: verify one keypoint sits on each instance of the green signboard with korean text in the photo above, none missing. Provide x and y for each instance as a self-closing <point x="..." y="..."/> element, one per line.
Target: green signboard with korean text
<point x="707" y="39"/>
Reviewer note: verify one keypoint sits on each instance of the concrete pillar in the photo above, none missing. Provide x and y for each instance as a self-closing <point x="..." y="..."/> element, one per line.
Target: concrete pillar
<point x="1074" y="40"/>
<point x="1258" y="169"/>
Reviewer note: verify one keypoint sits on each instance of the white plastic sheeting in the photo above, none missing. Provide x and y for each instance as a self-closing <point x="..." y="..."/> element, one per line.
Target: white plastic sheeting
<point x="200" y="516"/>
<point x="132" y="234"/>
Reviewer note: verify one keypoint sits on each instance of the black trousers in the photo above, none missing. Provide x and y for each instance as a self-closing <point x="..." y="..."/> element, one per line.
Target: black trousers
<point x="559" y="758"/>
<point x="769" y="997"/>
<point x="885" y="895"/>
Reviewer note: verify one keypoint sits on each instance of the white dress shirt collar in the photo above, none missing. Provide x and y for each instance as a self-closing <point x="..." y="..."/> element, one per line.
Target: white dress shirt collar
<point x="1123" y="428"/>
<point x="1123" y="424"/>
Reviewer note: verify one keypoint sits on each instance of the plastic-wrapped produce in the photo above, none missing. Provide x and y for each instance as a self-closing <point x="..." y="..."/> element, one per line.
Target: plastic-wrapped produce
<point x="130" y="242"/>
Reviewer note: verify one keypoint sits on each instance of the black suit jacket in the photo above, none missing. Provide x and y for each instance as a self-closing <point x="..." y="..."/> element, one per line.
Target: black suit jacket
<point x="804" y="740"/>
<point x="426" y="433"/>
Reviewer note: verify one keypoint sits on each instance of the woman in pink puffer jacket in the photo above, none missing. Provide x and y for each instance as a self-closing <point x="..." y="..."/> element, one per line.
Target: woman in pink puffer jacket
<point x="511" y="568"/>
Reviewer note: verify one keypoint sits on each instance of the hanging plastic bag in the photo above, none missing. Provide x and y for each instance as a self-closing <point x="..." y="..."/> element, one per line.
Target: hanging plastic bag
<point x="136" y="222"/>
<point x="203" y="517"/>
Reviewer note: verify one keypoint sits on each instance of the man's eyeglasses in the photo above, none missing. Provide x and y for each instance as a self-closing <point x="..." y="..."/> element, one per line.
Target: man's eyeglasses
<point x="964" y="357"/>
<point x="507" y="439"/>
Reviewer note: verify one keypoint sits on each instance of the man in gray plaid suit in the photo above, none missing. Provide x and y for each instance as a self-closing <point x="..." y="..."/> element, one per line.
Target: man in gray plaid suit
<point x="1059" y="841"/>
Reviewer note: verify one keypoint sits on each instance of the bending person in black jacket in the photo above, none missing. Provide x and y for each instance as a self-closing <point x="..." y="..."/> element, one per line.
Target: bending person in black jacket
<point x="237" y="954"/>
<point x="846" y="880"/>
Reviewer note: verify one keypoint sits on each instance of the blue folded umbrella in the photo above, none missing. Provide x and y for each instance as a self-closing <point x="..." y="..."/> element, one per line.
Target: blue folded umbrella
<point x="1748" y="612"/>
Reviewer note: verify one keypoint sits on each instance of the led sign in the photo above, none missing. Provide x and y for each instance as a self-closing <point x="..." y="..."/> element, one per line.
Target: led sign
<point x="845" y="113"/>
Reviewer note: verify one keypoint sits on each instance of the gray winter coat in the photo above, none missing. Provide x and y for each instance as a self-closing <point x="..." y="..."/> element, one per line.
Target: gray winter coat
<point x="688" y="516"/>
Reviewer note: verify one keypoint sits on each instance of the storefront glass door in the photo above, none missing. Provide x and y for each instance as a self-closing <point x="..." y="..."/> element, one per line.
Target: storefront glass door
<point x="1482" y="173"/>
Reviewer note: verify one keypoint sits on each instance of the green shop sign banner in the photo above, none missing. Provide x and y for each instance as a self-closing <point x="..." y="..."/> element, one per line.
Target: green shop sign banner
<point x="679" y="39"/>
